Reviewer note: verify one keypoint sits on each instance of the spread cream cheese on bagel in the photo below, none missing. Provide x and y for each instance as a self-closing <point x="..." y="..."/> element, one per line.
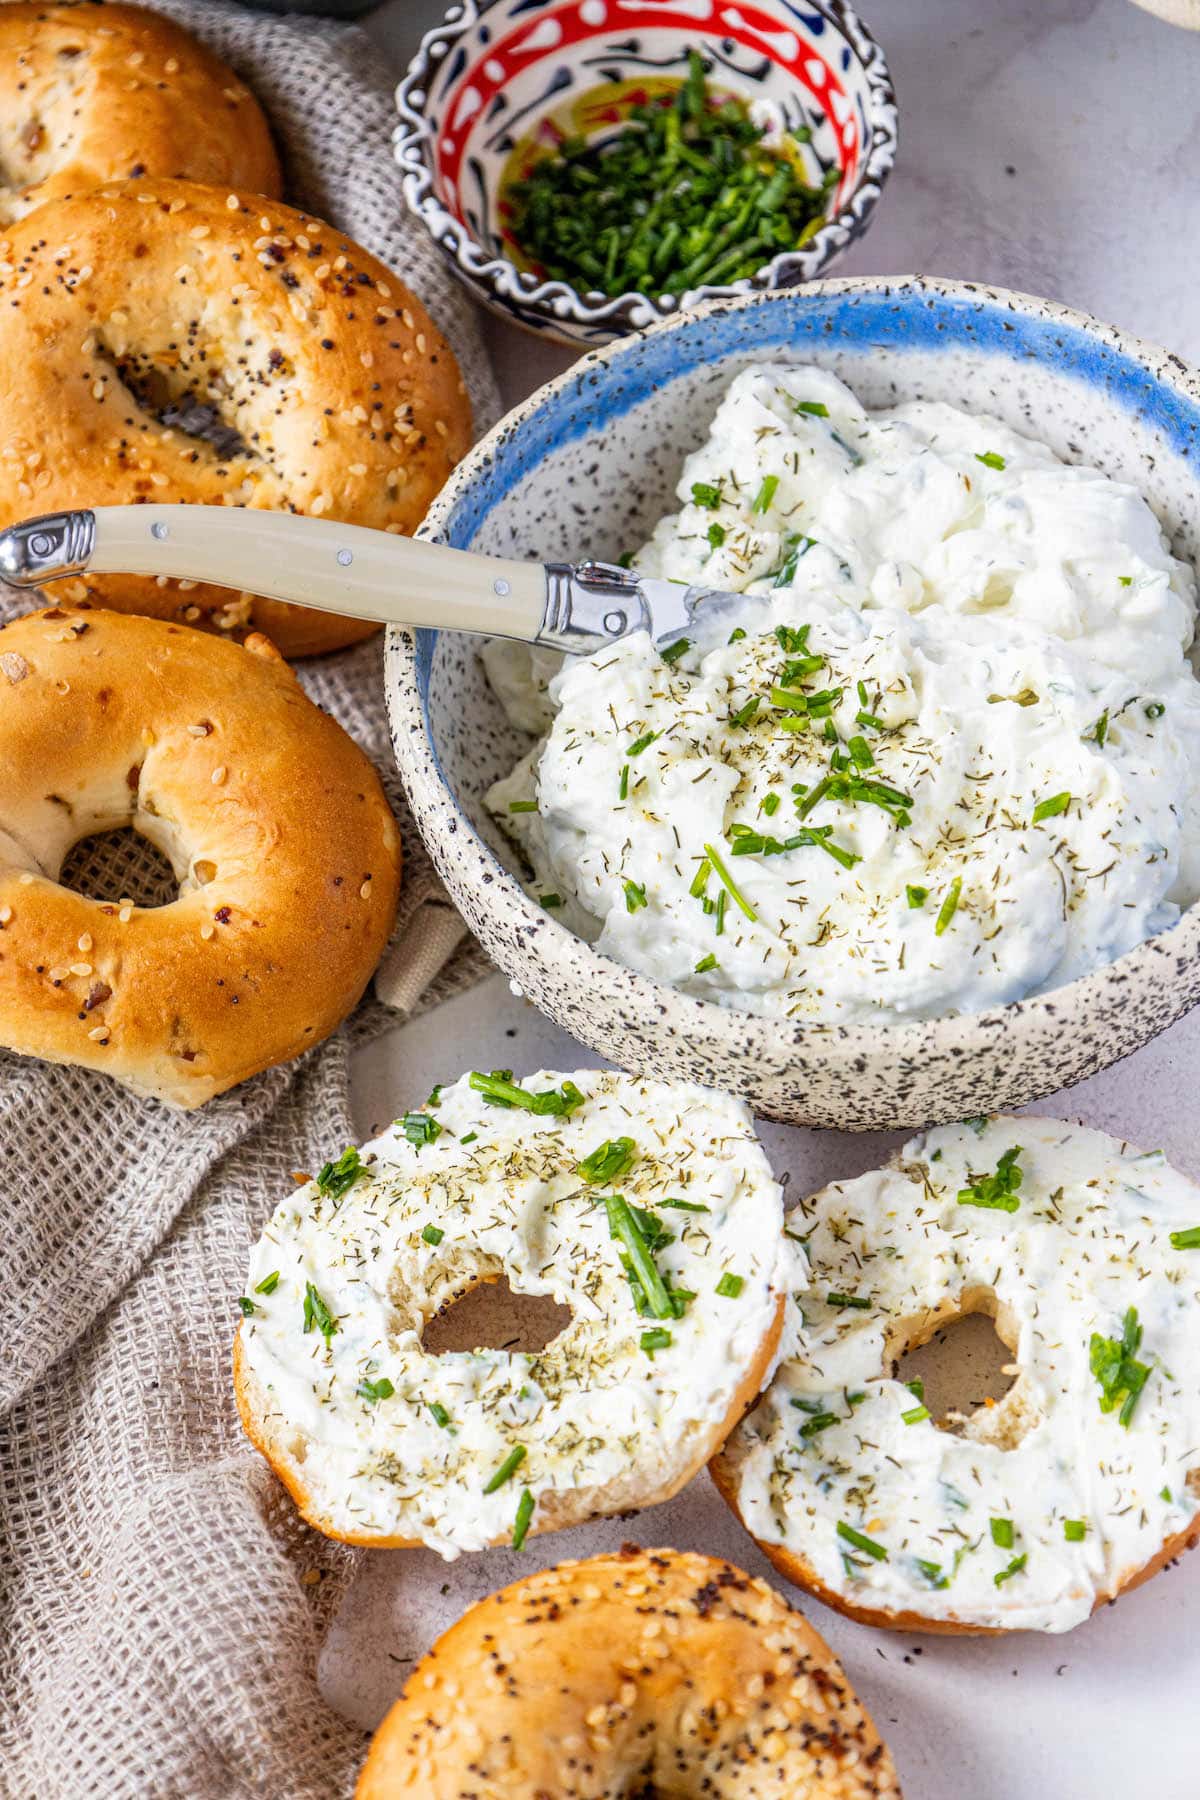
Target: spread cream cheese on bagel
<point x="647" y="1208"/>
<point x="1082" y="1479"/>
<point x="948" y="758"/>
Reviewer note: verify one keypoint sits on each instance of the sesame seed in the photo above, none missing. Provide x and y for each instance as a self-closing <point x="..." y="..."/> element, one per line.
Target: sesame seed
<point x="232" y="202"/>
<point x="207" y="931"/>
<point x="57" y="975"/>
<point x="219" y="774"/>
<point x="200" y="231"/>
<point x="99" y="1034"/>
<point x="364" y="892"/>
<point x="81" y="968"/>
<point x="85" y="942"/>
<point x="125" y="914"/>
<point x="422" y="345"/>
<point x="6" y="914"/>
<point x="358" y="468"/>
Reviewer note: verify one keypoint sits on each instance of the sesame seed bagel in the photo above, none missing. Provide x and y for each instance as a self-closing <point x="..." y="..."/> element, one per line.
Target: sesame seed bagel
<point x="646" y="1208"/>
<point x="1081" y="1481"/>
<point x="273" y="820"/>
<point x="646" y="1672"/>
<point x="170" y="342"/>
<point x="90" y="94"/>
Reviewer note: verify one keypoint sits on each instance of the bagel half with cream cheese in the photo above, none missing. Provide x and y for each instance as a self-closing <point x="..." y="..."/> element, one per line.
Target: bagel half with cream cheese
<point x="1081" y="1482"/>
<point x="646" y="1208"/>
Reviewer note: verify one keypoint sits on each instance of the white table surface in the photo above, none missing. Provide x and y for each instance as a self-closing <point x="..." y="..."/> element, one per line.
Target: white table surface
<point x="1052" y="146"/>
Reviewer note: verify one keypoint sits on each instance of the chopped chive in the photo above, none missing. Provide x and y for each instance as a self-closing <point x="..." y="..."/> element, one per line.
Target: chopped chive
<point x="608" y="1161"/>
<point x="737" y="634"/>
<point x="550" y="901"/>
<point x="742" y="717"/>
<point x="499" y="1089"/>
<point x="932" y="1572"/>
<point x="1074" y="1530"/>
<point x="1099" y="731"/>
<point x="860" y="752"/>
<point x="997" y="1191"/>
<point x="642" y="743"/>
<point x="858" y="1301"/>
<point x="317" y="1313"/>
<point x="813" y="407"/>
<point x="623" y="783"/>
<point x="915" y="1414"/>
<point x="990" y="459"/>
<point x="522" y="806"/>
<point x="674" y="651"/>
<point x="730" y="1286"/>
<point x="819" y="1422"/>
<point x="716" y="535"/>
<point x="917" y="896"/>
<point x="861" y="1542"/>
<point x="507" y="1469"/>
<point x="1154" y="710"/>
<point x="705" y="494"/>
<point x="1180" y="1240"/>
<point x="468" y="1137"/>
<point x="727" y="881"/>
<point x="705" y="964"/>
<point x="432" y="1234"/>
<point x="1125" y="580"/>
<point x="635" y="896"/>
<point x="1003" y="1535"/>
<point x="770" y="805"/>
<point x="247" y="1305"/>
<point x="525" y="1506"/>
<point x="438" y="1413"/>
<point x="419" y="1128"/>
<point x="686" y="1205"/>
<point x="657" y="1338"/>
<point x="766" y="493"/>
<point x="1113" y="1361"/>
<point x="337" y="1178"/>
<point x="949" y="906"/>
<point x="625" y="1228"/>
<point x="916" y="1387"/>
<point x="269" y="1283"/>
<point x="1165" y="1494"/>
<point x="722" y="902"/>
<point x="1014" y="1568"/>
<point x="700" y="879"/>
<point x="380" y="1389"/>
<point x="1050" y="809"/>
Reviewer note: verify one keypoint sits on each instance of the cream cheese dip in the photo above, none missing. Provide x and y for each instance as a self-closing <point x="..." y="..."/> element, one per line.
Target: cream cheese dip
<point x="384" y="1440"/>
<point x="1086" y="1251"/>
<point x="948" y="759"/>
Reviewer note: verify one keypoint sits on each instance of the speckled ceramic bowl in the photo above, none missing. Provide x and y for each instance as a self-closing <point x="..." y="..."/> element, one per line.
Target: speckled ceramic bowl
<point x="588" y="464"/>
<point x="500" y="81"/>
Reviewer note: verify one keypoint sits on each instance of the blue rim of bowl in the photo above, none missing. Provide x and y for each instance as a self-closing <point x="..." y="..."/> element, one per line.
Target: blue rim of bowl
<point x="556" y="302"/>
<point x="1102" y="352"/>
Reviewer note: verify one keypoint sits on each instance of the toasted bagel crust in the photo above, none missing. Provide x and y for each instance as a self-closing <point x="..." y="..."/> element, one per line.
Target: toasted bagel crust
<point x="90" y="94"/>
<point x="645" y="1671"/>
<point x="308" y="378"/>
<point x="276" y="825"/>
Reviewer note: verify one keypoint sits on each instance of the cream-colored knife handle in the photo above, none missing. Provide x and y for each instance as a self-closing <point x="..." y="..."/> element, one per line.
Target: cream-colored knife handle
<point x="310" y="562"/>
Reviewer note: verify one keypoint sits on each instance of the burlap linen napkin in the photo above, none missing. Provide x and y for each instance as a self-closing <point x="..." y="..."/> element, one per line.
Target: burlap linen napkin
<point x="160" y="1605"/>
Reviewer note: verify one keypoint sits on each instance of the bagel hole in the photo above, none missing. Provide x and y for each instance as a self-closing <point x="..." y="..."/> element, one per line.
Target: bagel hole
<point x="177" y="405"/>
<point x="491" y="1316"/>
<point x="966" y="1369"/>
<point x="119" y="865"/>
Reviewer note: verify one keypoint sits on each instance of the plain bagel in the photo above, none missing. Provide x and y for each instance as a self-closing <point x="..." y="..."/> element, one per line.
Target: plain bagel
<point x="274" y="821"/>
<point x="650" y="1671"/>
<point x="165" y="341"/>
<point x="1077" y="1484"/>
<point x="90" y="94"/>
<point x="646" y="1208"/>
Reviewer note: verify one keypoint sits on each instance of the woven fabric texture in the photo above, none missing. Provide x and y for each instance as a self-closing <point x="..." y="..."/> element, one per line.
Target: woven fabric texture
<point x="161" y="1605"/>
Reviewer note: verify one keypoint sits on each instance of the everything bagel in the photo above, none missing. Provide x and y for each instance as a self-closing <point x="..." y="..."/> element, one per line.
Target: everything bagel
<point x="285" y="851"/>
<point x="647" y="1672"/>
<point x="90" y="94"/>
<point x="1082" y="1481"/>
<point x="646" y="1208"/>
<point x="170" y="342"/>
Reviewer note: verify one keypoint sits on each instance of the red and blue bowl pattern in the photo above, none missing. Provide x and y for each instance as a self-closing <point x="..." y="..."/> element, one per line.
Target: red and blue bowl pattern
<point x="497" y="85"/>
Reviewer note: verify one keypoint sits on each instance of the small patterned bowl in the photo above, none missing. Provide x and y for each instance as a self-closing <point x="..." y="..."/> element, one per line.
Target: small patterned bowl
<point x="588" y="465"/>
<point x="500" y="80"/>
